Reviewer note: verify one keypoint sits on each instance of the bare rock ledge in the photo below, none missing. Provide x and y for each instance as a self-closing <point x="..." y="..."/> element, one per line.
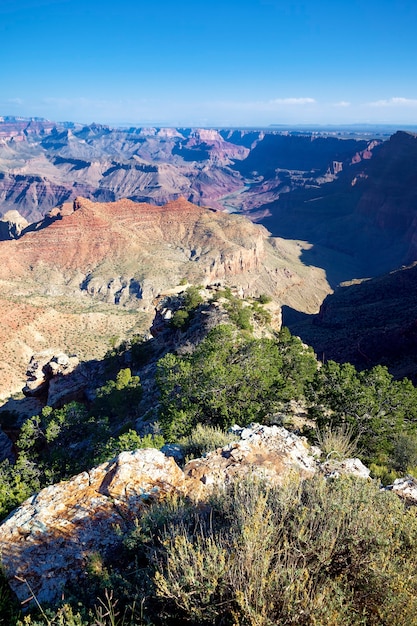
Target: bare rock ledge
<point x="46" y="542"/>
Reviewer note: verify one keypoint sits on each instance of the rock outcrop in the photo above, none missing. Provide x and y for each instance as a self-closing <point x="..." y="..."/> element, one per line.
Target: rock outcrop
<point x="406" y="489"/>
<point x="11" y="225"/>
<point x="269" y="452"/>
<point x="44" y="366"/>
<point x="46" y="543"/>
<point x="53" y="376"/>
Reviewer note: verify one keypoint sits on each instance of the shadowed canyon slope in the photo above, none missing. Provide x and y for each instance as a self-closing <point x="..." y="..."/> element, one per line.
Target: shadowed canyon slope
<point x="70" y="277"/>
<point x="346" y="205"/>
<point x="367" y="216"/>
<point x="367" y="323"/>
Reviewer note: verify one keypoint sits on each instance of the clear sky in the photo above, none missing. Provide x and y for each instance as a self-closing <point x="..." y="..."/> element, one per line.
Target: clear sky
<point x="218" y="62"/>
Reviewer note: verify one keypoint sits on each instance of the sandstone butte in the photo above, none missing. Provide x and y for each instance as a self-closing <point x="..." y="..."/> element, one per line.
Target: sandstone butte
<point x="87" y="273"/>
<point x="45" y="544"/>
<point x="153" y="246"/>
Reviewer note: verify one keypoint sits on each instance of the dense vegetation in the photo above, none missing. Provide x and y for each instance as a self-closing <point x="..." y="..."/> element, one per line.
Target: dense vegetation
<point x="59" y="443"/>
<point x="313" y="552"/>
<point x="230" y="378"/>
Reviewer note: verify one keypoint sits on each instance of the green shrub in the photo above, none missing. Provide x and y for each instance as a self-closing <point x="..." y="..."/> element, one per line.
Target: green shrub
<point x="228" y="379"/>
<point x="378" y="408"/>
<point x="260" y="315"/>
<point x="180" y="318"/>
<point x="189" y="301"/>
<point x="142" y="351"/>
<point x="192" y="298"/>
<point x="128" y="441"/>
<point x="264" y="298"/>
<point x="404" y="455"/>
<point x="118" y="398"/>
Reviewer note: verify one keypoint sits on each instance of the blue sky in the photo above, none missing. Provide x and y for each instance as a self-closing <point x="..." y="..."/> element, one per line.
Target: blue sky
<point x="218" y="63"/>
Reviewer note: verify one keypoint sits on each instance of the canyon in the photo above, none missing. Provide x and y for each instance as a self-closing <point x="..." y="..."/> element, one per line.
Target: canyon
<point x="104" y="236"/>
<point x="325" y="210"/>
<point x="90" y="272"/>
<point x="351" y="196"/>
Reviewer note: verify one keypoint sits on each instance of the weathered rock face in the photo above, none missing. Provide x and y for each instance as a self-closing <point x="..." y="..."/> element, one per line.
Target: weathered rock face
<point x="47" y="541"/>
<point x="48" y="376"/>
<point x="270" y="452"/>
<point x="389" y="191"/>
<point x="11" y="225"/>
<point x="306" y="153"/>
<point x="19" y="128"/>
<point x="366" y="214"/>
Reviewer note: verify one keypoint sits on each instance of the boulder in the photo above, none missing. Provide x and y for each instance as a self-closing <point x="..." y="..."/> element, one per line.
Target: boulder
<point x="271" y="452"/>
<point x="351" y="467"/>
<point x="45" y="544"/>
<point x="405" y="488"/>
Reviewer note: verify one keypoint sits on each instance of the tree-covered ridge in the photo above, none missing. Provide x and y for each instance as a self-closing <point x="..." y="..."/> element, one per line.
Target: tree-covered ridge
<point x="231" y="378"/>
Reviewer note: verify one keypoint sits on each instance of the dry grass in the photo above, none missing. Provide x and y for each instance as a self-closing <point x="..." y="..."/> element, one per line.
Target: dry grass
<point x="337" y="443"/>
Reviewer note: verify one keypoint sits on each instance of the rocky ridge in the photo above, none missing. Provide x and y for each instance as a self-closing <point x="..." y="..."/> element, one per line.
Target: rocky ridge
<point x="46" y="543"/>
<point x="150" y="247"/>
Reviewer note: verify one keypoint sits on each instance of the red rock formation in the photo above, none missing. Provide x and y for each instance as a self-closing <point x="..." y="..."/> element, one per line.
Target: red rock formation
<point x="136" y="242"/>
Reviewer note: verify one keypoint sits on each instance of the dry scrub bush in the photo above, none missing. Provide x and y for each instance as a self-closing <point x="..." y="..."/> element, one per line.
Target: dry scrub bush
<point x="193" y="576"/>
<point x="203" y="439"/>
<point x="318" y="553"/>
<point x="310" y="553"/>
